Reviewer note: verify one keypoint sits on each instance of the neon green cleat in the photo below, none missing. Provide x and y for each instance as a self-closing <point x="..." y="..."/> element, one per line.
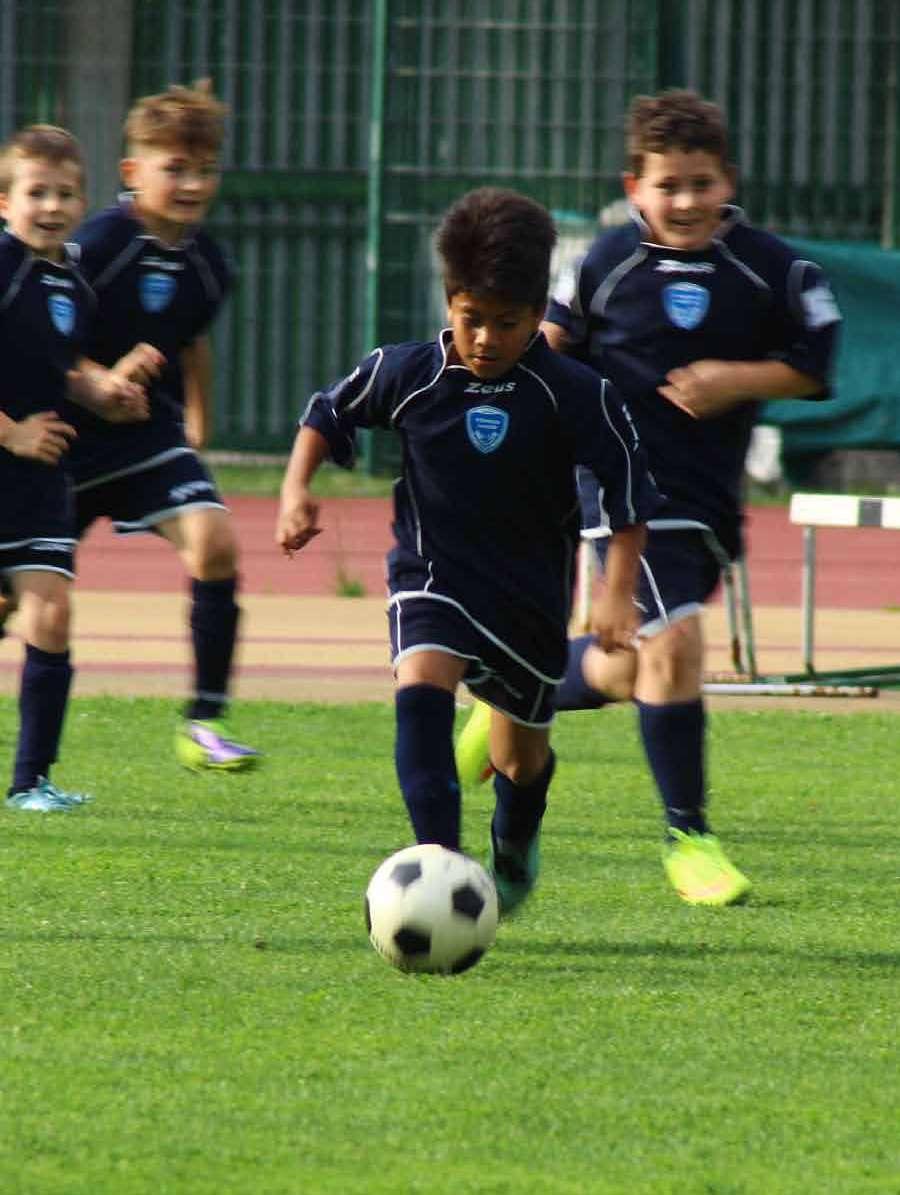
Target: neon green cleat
<point x="514" y="870"/>
<point x="700" y="871"/>
<point x="473" y="747"/>
<point x="205" y="746"/>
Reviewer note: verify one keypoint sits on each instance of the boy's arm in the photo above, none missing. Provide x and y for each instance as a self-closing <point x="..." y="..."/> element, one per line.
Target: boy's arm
<point x="557" y="337"/>
<point x="614" y="616"/>
<point x="709" y="387"/>
<point x="106" y="394"/>
<point x="118" y="394"/>
<point x="197" y="375"/>
<point x="806" y="319"/>
<point x="298" y="513"/>
<point x="40" y="437"/>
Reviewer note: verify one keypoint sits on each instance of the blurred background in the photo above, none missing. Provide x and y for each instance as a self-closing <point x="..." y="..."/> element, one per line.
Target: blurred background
<point x="355" y="122"/>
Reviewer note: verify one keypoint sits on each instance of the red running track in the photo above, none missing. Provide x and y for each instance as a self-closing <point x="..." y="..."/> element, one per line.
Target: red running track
<point x="857" y="568"/>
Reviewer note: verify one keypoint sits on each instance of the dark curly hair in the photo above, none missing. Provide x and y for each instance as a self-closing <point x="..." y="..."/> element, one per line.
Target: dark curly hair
<point x="679" y="120"/>
<point x="498" y="242"/>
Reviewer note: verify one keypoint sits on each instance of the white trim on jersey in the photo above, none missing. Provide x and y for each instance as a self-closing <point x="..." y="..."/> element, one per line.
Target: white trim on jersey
<point x="131" y="250"/>
<point x="428" y="385"/>
<point x="759" y="283"/>
<point x="191" y="251"/>
<point x="41" y="543"/>
<point x="601" y="295"/>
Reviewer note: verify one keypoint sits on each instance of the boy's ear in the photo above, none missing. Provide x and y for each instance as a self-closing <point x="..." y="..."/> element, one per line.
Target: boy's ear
<point x="629" y="182"/>
<point x="4" y="205"/>
<point x="128" y="172"/>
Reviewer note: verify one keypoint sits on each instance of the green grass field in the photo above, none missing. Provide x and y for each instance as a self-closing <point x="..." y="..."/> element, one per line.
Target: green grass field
<point x="191" y="1006"/>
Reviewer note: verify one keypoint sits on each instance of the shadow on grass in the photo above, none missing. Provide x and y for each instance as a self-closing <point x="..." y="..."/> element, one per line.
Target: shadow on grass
<point x="332" y="944"/>
<point x="531" y="954"/>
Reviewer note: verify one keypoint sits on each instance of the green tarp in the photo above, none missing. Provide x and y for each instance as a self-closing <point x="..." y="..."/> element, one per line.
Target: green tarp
<point x="864" y="410"/>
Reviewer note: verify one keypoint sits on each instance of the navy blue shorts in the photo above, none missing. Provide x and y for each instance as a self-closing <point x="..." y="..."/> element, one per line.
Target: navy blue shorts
<point x="144" y="496"/>
<point x="438" y="623"/>
<point x="37" y="519"/>
<point x="680" y="570"/>
<point x="39" y="554"/>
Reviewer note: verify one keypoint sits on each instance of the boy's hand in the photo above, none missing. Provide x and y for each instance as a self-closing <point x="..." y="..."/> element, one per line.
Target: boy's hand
<point x="704" y="388"/>
<point x="298" y="521"/>
<point x="614" y="621"/>
<point x="108" y="395"/>
<point x="41" y="437"/>
<point x="141" y="364"/>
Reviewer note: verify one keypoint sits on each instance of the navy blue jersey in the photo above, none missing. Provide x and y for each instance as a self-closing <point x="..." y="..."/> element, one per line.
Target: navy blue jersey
<point x="147" y="291"/>
<point x="45" y="311"/>
<point x="487" y="495"/>
<point x="636" y="310"/>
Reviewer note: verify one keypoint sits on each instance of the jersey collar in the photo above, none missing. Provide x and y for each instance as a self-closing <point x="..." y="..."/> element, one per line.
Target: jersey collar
<point x="126" y="205"/>
<point x="732" y="215"/>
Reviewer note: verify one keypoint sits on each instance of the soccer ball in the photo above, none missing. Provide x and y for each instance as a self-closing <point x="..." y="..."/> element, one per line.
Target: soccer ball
<point x="431" y="909"/>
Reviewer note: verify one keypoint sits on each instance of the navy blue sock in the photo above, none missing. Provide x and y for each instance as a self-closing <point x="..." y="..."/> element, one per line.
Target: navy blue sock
<point x="520" y="807"/>
<point x="426" y="768"/>
<point x="575" y="693"/>
<point x="214" y="620"/>
<point x="43" y="693"/>
<point x="673" y="737"/>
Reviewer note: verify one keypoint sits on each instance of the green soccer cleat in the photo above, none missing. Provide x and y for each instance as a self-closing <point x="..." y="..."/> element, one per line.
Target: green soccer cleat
<point x="473" y="747"/>
<point x="204" y="746"/>
<point x="514" y="870"/>
<point x="700" y="871"/>
<point x="45" y="797"/>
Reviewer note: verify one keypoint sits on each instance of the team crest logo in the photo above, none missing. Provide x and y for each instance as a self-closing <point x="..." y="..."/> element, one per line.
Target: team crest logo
<point x="62" y="312"/>
<point x="156" y="291"/>
<point x="686" y="304"/>
<point x="487" y="427"/>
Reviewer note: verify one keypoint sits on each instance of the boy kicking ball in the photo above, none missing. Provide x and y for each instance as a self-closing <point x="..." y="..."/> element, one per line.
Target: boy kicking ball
<point x="493" y="423"/>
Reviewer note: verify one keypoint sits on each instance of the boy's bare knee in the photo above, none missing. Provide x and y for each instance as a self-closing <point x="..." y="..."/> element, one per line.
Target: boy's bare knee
<point x="610" y="673"/>
<point x="49" y="624"/>
<point x="522" y="767"/>
<point x="214" y="559"/>
<point x="671" y="665"/>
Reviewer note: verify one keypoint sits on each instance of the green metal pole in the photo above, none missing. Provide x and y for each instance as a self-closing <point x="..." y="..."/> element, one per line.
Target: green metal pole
<point x="890" y="224"/>
<point x="376" y="172"/>
<point x="375" y="196"/>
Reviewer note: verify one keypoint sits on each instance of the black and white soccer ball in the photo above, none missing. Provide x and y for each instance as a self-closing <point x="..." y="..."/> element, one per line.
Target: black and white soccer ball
<point x="431" y="909"/>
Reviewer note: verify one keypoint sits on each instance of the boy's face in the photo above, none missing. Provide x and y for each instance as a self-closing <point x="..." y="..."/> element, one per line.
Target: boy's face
<point x="173" y="187"/>
<point x="490" y="333"/>
<point x="43" y="205"/>
<point x="680" y="195"/>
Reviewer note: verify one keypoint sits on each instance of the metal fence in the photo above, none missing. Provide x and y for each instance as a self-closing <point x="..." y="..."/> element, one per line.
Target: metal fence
<point x="354" y="122"/>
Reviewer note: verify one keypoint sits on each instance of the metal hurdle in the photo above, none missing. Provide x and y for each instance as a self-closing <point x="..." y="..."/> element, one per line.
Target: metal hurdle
<point x="838" y="510"/>
<point x="809" y="511"/>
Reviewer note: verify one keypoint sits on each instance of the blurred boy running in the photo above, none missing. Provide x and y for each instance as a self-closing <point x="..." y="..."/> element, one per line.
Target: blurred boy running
<point x="46" y="309"/>
<point x="160" y="279"/>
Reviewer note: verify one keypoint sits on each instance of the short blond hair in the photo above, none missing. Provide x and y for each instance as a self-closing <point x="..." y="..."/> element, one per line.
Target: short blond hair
<point x="188" y="118"/>
<point x="43" y="143"/>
